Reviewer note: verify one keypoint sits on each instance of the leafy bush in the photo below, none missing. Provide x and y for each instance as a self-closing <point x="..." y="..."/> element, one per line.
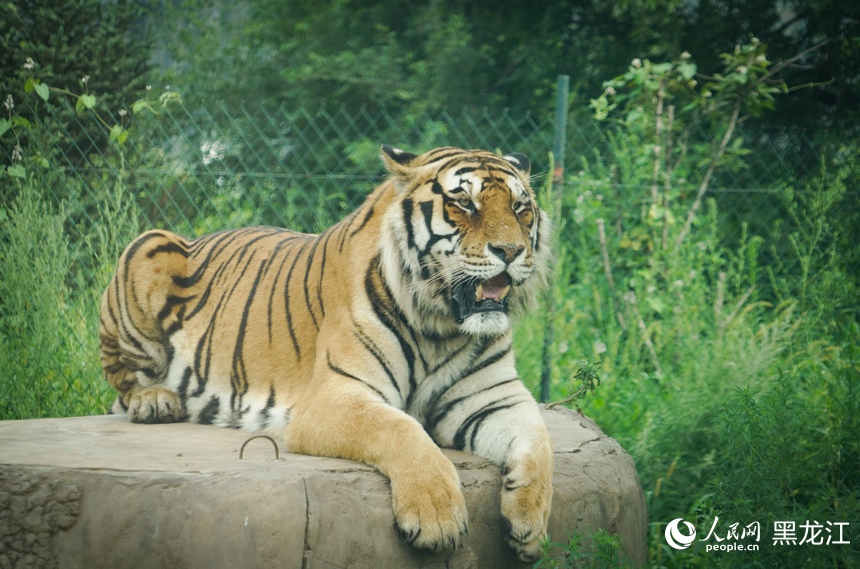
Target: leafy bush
<point x="724" y="348"/>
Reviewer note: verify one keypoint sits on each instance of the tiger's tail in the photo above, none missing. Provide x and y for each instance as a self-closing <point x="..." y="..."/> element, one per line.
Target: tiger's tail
<point x="136" y="313"/>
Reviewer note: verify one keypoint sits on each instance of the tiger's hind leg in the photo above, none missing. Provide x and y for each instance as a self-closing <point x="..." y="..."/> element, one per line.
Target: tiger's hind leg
<point x="134" y="350"/>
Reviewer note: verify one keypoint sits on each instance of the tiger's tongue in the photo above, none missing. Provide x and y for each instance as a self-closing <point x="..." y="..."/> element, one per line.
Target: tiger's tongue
<point x="495" y="287"/>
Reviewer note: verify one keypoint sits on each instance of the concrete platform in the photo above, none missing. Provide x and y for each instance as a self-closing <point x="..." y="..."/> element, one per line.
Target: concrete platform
<point x="95" y="492"/>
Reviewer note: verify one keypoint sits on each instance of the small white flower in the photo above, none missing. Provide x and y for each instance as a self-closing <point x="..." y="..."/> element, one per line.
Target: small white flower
<point x="702" y="246"/>
<point x="651" y="289"/>
<point x="30" y="63"/>
<point x="678" y="283"/>
<point x="149" y="87"/>
<point x="692" y="274"/>
<point x="686" y="55"/>
<point x="742" y="68"/>
<point x="610" y="91"/>
<point x="123" y="112"/>
<point x="85" y="79"/>
<point x="636" y="63"/>
<point x="9" y="104"/>
<point x="599" y="347"/>
<point x="563" y="347"/>
<point x="16" y="153"/>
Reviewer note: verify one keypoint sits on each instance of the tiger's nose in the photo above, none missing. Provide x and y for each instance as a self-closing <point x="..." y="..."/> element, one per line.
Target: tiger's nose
<point x="507" y="252"/>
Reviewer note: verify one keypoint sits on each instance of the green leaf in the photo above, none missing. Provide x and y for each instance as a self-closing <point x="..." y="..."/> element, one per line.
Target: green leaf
<point x="79" y="105"/>
<point x="118" y="134"/>
<point x="29" y="84"/>
<point x="5" y="125"/>
<point x="88" y="100"/>
<point x="17" y="171"/>
<point x="21" y="121"/>
<point x="43" y="91"/>
<point x="688" y="70"/>
<point x="137" y="106"/>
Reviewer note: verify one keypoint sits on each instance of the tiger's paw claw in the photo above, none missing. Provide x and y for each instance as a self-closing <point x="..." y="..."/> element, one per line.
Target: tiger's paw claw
<point x="431" y="513"/>
<point x="155" y="404"/>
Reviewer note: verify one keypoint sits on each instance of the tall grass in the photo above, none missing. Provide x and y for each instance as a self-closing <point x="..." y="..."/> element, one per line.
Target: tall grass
<point x="50" y="293"/>
<point x="728" y="359"/>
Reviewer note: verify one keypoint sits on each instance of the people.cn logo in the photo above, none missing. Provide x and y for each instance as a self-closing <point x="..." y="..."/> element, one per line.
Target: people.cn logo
<point x="675" y="538"/>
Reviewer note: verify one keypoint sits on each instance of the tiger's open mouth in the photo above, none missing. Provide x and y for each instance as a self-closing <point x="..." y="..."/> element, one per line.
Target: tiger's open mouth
<point x="475" y="296"/>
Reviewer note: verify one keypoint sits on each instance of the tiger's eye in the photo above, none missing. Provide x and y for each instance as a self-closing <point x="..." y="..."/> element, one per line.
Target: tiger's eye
<point x="465" y="203"/>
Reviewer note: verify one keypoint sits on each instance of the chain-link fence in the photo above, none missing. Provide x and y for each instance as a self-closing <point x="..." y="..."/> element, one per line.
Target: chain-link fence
<point x="200" y="170"/>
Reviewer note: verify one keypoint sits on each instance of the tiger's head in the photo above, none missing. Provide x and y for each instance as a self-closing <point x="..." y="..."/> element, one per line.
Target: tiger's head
<point x="470" y="239"/>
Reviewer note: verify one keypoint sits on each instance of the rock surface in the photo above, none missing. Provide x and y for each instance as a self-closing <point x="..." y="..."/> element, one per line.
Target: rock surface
<point x="95" y="492"/>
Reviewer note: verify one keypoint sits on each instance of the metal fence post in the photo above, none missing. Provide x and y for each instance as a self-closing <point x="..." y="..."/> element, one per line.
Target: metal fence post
<point x="559" y="144"/>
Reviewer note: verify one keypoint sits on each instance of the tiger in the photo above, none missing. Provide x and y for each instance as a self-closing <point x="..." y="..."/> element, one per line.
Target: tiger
<point x="381" y="340"/>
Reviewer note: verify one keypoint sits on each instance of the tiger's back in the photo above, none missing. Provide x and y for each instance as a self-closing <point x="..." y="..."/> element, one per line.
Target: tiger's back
<point x="227" y="321"/>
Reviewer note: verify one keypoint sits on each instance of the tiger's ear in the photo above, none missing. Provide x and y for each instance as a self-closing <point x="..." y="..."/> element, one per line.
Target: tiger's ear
<point x="519" y="161"/>
<point x="397" y="161"/>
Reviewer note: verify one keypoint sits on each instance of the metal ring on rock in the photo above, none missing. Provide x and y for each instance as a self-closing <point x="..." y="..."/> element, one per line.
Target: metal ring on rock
<point x="274" y="444"/>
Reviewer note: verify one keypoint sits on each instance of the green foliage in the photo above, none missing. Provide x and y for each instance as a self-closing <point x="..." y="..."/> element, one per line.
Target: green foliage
<point x="723" y="347"/>
<point x="48" y="352"/>
<point x="601" y="550"/>
<point x="68" y="41"/>
<point x="452" y="53"/>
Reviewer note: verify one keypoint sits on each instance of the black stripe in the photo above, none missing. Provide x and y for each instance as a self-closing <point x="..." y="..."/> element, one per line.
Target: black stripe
<point x="407" y="206"/>
<point x="367" y="217"/>
<point x="465" y="170"/>
<point x="346" y="374"/>
<point x="126" y="326"/>
<point x="475" y="420"/>
<point x="182" y="390"/>
<point x="289" y="313"/>
<point x="440" y="414"/>
<point x="219" y="242"/>
<point x="239" y="376"/>
<point x="169" y="303"/>
<point x="281" y="246"/>
<point x="390" y="316"/>
<point x="448" y="152"/>
<point x="374" y="350"/>
<point x="328" y="235"/>
<point x="210" y="411"/>
<point x="207" y="338"/>
<point x="307" y="291"/>
<point x="170" y="247"/>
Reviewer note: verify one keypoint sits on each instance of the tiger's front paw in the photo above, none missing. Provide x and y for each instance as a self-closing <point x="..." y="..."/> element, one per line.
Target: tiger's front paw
<point x="429" y="507"/>
<point x="155" y="404"/>
<point x="526" y="502"/>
